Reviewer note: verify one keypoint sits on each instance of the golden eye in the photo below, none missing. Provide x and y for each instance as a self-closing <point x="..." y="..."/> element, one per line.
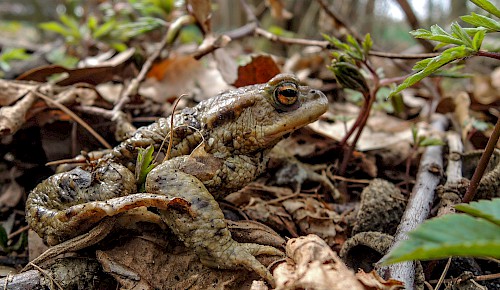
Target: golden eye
<point x="286" y="94"/>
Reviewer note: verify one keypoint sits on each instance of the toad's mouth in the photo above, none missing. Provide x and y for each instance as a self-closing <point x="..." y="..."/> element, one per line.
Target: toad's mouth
<point x="313" y="106"/>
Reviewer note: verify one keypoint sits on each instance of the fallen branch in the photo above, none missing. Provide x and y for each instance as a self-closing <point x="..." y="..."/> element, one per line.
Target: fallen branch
<point x="419" y="205"/>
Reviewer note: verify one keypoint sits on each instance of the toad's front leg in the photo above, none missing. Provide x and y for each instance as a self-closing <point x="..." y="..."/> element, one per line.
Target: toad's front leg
<point x="203" y="228"/>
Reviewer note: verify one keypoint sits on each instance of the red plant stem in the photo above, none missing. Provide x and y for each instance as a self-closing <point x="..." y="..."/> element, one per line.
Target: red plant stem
<point x="354" y="126"/>
<point x="483" y="162"/>
<point x="364" y="119"/>
<point x="494" y="55"/>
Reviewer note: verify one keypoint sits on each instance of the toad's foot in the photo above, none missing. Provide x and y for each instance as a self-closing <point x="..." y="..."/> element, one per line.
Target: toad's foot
<point x="203" y="227"/>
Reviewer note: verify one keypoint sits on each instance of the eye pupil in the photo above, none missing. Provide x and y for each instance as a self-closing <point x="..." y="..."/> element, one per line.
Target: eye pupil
<point x="286" y="94"/>
<point x="289" y="93"/>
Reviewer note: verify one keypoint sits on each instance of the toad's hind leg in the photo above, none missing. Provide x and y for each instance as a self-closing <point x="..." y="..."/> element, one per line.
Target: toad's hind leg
<point x="203" y="228"/>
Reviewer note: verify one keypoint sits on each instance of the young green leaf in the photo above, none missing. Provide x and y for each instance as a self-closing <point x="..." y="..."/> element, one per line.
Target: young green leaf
<point x="478" y="39"/>
<point x="430" y="142"/>
<point x="367" y="44"/>
<point x="104" y="29"/>
<point x="437" y="34"/>
<point x="144" y="165"/>
<point x="487" y="6"/>
<point x="482" y="21"/>
<point x="460" y="33"/>
<point x="450" y="235"/>
<point x="433" y="65"/>
<point x="486" y="209"/>
<point x="56" y="27"/>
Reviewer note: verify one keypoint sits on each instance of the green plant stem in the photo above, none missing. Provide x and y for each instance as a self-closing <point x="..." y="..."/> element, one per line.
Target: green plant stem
<point x="483" y="162"/>
<point x="494" y="55"/>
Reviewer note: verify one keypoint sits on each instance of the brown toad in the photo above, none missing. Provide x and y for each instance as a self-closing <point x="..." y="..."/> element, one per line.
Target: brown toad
<point x="218" y="147"/>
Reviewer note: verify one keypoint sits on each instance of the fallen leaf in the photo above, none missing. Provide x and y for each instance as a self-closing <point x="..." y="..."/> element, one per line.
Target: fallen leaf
<point x="120" y="65"/>
<point x="313" y="265"/>
<point x="278" y="9"/>
<point x="202" y="12"/>
<point x="373" y="281"/>
<point x="259" y="70"/>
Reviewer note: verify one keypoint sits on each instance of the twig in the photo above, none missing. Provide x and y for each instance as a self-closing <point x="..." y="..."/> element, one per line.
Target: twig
<point x="456" y="148"/>
<point x="483" y="162"/>
<point x="419" y="205"/>
<point x="172" y="130"/>
<point x="445" y="271"/>
<point x="74" y="117"/>
<point x="169" y="37"/>
<point x="339" y="20"/>
<point x="46" y="274"/>
<point x="13" y="234"/>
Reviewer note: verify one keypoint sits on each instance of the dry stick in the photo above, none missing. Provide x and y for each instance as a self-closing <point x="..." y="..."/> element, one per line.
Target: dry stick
<point x="74" y="117"/>
<point x="169" y="38"/>
<point x="338" y="19"/>
<point x="456" y="148"/>
<point x="483" y="162"/>
<point x="419" y="205"/>
<point x="441" y="278"/>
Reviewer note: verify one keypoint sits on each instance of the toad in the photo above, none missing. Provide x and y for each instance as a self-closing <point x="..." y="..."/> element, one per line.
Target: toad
<point x="218" y="147"/>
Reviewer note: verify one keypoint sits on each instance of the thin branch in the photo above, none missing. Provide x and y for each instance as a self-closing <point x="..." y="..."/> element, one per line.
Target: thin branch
<point x="413" y="21"/>
<point x="169" y="37"/>
<point x="419" y="205"/>
<point x="74" y="117"/>
<point x="494" y="55"/>
<point x="339" y="20"/>
<point x="483" y="162"/>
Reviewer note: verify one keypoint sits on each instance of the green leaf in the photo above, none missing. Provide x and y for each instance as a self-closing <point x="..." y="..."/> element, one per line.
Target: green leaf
<point x="104" y="29"/>
<point x="478" y="39"/>
<point x="92" y="22"/>
<point x="460" y="33"/>
<point x="3" y="238"/>
<point x="481" y="21"/>
<point x="337" y="43"/>
<point x="487" y="6"/>
<point x="20" y="244"/>
<point x="486" y="209"/>
<point x="437" y="34"/>
<point x="72" y="24"/>
<point x="450" y="235"/>
<point x="367" y="44"/>
<point x="430" y="142"/>
<point x="433" y="65"/>
<point x="56" y="27"/>
<point x="414" y="133"/>
<point x="144" y="165"/>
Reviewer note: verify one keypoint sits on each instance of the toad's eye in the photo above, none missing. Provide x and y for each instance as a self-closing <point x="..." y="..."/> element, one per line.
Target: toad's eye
<point x="286" y="94"/>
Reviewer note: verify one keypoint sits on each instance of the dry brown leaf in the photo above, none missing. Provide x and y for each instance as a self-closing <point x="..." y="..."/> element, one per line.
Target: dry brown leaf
<point x="13" y="117"/>
<point x="312" y="217"/>
<point x="487" y="88"/>
<point x="226" y="65"/>
<point x="313" y="265"/>
<point x="202" y="12"/>
<point x="381" y="131"/>
<point x="11" y="194"/>
<point x="373" y="281"/>
<point x="119" y="66"/>
<point x="259" y="70"/>
<point x="278" y="10"/>
<point x="179" y="75"/>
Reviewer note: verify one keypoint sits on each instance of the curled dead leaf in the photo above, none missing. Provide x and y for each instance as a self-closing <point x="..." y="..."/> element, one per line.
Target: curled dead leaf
<point x="313" y="265"/>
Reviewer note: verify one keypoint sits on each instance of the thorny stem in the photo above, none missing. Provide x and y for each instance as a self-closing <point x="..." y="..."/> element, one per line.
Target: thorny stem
<point x="483" y="162"/>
